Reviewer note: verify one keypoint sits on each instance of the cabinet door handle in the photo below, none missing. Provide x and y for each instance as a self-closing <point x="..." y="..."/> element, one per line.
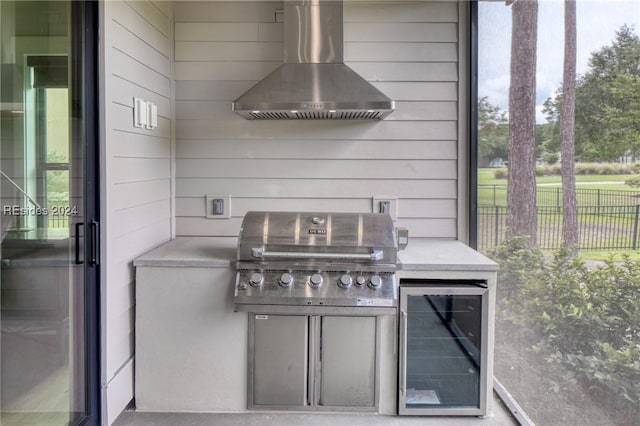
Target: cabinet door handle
<point x="77" y="243"/>
<point x="403" y="351"/>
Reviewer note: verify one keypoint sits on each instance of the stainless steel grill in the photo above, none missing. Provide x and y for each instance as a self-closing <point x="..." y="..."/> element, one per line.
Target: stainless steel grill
<point x="316" y="260"/>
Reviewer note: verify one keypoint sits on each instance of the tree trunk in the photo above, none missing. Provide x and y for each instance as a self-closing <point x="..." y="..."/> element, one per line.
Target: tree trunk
<point x="567" y="130"/>
<point x="521" y="193"/>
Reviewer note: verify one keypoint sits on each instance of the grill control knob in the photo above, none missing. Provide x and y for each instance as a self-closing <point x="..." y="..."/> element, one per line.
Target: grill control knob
<point x="360" y="280"/>
<point x="375" y="281"/>
<point x="315" y="280"/>
<point x="286" y="279"/>
<point x="256" y="279"/>
<point x="345" y="281"/>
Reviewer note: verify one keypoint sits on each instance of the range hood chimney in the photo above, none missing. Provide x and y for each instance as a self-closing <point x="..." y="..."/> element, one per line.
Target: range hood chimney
<point x="313" y="82"/>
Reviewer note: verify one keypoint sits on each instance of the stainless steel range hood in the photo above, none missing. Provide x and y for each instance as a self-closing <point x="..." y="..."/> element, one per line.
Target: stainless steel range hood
<point x="313" y="82"/>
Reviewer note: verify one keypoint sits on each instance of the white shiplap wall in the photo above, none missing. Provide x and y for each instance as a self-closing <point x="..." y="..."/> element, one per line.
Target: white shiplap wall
<point x="409" y="50"/>
<point x="136" y="52"/>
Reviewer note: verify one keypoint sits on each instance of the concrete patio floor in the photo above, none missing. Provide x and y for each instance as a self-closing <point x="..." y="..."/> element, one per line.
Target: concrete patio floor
<point x="499" y="417"/>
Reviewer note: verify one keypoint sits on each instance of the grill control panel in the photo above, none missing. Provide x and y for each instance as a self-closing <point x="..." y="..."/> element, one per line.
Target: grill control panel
<point x="332" y="288"/>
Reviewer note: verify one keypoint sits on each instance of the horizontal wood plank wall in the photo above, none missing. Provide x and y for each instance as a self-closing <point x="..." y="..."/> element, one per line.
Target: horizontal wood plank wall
<point x="409" y="50"/>
<point x="138" y="51"/>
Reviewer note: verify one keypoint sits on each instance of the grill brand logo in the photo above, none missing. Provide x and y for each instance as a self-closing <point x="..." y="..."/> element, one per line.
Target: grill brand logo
<point x="317" y="231"/>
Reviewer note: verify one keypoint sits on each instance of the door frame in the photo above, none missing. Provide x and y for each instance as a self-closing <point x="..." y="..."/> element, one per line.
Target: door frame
<point x="85" y="98"/>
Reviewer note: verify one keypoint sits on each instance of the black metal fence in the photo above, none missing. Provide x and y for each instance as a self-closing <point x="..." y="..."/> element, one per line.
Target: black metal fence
<point x="600" y="227"/>
<point x="57" y="221"/>
<point x="496" y="195"/>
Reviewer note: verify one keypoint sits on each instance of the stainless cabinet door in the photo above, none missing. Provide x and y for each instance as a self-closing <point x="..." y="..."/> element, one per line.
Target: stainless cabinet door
<point x="279" y="360"/>
<point x="348" y="361"/>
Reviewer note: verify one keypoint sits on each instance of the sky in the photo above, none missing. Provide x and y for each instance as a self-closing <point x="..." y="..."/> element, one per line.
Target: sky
<point x="597" y="22"/>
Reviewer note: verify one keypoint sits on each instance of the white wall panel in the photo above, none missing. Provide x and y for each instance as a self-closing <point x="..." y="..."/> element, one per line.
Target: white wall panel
<point x="140" y="169"/>
<point x="419" y="91"/>
<point x="153" y="15"/>
<point x="407" y="32"/>
<point x="317" y="188"/>
<point x="138" y="49"/>
<point x="408" y="50"/>
<point x="202" y="11"/>
<point x="133" y="46"/>
<point x="125" y="15"/>
<point x="234" y="126"/>
<point x="130" y="69"/>
<point x="314" y="169"/>
<point x="123" y="91"/>
<point x="228" y="51"/>
<point x="417" y="11"/>
<point x="406" y="71"/>
<point x="400" y="52"/>
<point x="236" y="32"/>
<point x="139" y="193"/>
<point x="125" y="144"/>
<point x="322" y="149"/>
<point x="123" y="122"/>
<point x="224" y="70"/>
<point x="408" y="208"/>
<point x="211" y="90"/>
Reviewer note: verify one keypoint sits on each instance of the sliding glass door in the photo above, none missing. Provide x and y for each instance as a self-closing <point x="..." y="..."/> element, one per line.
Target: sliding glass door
<point x="49" y="230"/>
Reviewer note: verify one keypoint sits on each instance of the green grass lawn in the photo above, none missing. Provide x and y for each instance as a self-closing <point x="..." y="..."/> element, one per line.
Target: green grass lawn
<point x="486" y="177"/>
<point x="616" y="255"/>
<point x="493" y="191"/>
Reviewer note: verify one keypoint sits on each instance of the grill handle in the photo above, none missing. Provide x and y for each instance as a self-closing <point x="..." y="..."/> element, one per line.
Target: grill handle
<point x="261" y="253"/>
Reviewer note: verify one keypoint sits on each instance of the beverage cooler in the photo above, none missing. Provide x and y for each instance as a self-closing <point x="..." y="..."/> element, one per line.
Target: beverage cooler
<point x="443" y="347"/>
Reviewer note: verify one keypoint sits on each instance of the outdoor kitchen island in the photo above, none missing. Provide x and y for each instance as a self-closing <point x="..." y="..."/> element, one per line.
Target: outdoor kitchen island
<point x="191" y="347"/>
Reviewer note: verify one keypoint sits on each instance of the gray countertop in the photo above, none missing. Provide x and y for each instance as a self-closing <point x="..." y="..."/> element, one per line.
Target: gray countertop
<point x="220" y="252"/>
<point x="442" y="255"/>
<point x="190" y="252"/>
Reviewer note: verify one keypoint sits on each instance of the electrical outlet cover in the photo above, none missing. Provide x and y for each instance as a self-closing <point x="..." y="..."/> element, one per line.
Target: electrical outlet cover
<point x="379" y="200"/>
<point x="225" y="200"/>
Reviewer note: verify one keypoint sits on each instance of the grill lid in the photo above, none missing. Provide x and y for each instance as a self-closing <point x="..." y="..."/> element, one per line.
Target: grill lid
<point x="363" y="238"/>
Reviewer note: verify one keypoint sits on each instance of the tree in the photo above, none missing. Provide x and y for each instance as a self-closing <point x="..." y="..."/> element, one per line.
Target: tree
<point x="598" y="100"/>
<point x="521" y="191"/>
<point x="622" y="114"/>
<point x="567" y="127"/>
<point x="550" y="132"/>
<point x="493" y="132"/>
<point x="607" y="113"/>
<point x="597" y="97"/>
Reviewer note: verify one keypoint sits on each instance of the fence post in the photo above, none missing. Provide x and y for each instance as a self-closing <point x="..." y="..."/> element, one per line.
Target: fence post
<point x="496" y="226"/>
<point x="634" y="243"/>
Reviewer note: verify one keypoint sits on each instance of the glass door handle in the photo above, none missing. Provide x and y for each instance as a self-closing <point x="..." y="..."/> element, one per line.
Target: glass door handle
<point x="94" y="259"/>
<point x="77" y="243"/>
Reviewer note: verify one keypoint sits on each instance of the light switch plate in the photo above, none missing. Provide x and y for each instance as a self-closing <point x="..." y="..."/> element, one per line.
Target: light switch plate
<point x="214" y="202"/>
<point x="380" y="202"/>
<point x="140" y="117"/>
<point x="152" y="116"/>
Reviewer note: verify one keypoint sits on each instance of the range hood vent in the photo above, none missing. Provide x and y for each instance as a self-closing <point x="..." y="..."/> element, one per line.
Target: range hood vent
<point x="313" y="83"/>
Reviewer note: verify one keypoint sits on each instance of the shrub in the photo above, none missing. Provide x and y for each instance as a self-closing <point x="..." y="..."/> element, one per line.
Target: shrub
<point x="589" y="169"/>
<point x="633" y="182"/>
<point x="584" y="319"/>
<point x="501" y="173"/>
